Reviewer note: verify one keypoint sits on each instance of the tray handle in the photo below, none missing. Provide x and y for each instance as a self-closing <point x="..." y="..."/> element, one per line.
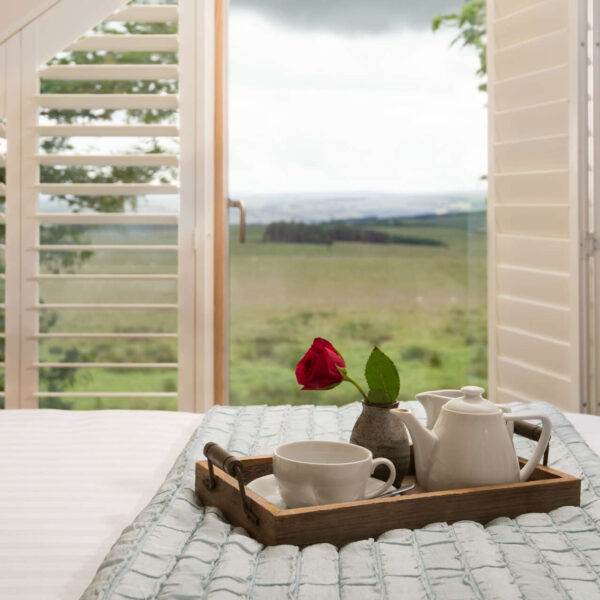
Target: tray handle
<point x="532" y="432"/>
<point x="216" y="455"/>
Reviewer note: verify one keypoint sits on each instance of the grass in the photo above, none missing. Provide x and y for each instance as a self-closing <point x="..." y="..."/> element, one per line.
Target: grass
<point x="423" y="305"/>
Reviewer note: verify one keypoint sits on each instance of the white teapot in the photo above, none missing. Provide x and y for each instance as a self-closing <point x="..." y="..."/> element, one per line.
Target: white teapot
<point x="433" y="401"/>
<point x="470" y="445"/>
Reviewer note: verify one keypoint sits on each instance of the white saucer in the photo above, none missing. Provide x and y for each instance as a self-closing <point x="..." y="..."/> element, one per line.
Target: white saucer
<point x="267" y="488"/>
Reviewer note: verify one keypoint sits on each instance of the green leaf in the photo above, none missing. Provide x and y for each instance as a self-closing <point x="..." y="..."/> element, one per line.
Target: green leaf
<point x="379" y="397"/>
<point x="382" y="376"/>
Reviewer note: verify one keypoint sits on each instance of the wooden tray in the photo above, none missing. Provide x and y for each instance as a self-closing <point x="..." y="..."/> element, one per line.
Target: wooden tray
<point x="342" y="523"/>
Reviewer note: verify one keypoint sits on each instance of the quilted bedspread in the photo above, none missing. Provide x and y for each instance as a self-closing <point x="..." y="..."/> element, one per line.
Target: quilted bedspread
<point x="179" y="550"/>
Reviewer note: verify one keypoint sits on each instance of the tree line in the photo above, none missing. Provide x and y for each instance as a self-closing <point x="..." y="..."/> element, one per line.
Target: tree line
<point x="299" y="232"/>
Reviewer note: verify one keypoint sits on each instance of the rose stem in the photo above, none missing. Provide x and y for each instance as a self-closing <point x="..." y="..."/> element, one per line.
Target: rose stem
<point x="356" y="385"/>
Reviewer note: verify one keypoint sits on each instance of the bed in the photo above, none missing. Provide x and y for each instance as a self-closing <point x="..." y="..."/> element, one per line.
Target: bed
<point x="72" y="481"/>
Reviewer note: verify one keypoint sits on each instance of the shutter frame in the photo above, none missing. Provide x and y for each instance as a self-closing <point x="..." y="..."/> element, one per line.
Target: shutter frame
<point x="537" y="195"/>
<point x="24" y="56"/>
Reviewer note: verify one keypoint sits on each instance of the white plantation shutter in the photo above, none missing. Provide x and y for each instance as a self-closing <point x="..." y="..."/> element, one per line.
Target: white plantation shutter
<point x="3" y="193"/>
<point x="167" y="275"/>
<point x="537" y="209"/>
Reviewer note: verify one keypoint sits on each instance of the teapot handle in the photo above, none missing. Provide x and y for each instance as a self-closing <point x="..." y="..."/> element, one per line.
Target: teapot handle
<point x="506" y="408"/>
<point x="533" y="462"/>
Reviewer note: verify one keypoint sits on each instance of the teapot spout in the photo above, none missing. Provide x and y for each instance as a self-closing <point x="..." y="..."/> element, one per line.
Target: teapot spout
<point x="424" y="442"/>
<point x="433" y="401"/>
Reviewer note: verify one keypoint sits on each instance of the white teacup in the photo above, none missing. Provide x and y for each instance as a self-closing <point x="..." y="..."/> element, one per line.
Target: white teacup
<point x="310" y="472"/>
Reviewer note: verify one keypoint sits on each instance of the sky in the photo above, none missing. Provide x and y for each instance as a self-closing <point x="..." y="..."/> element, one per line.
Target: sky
<point x="351" y="96"/>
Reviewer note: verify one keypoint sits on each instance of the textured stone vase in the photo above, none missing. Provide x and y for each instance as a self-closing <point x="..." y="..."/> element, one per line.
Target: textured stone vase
<point x="385" y="436"/>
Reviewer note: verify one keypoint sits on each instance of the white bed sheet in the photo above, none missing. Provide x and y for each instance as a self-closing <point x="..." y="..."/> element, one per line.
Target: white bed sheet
<point x="71" y="481"/>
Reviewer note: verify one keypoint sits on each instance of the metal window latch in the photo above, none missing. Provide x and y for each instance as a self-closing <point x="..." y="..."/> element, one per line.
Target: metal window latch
<point x="240" y="205"/>
<point x="589" y="245"/>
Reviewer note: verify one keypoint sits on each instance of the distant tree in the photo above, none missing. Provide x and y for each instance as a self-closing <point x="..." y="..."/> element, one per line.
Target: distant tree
<point x="296" y="232"/>
<point x="323" y="233"/>
<point x="470" y="21"/>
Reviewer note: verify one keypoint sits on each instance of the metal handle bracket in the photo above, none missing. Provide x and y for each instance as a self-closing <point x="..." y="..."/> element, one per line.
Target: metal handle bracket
<point x="240" y="205"/>
<point x="216" y="455"/>
<point x="532" y="432"/>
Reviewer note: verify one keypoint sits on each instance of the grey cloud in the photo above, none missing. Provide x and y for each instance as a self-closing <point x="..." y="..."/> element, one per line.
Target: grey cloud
<point x="351" y="16"/>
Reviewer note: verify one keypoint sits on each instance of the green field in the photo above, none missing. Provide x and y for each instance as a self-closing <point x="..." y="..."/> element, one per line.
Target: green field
<point x="423" y="305"/>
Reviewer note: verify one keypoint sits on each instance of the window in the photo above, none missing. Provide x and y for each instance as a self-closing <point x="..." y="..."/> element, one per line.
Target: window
<point x="358" y="148"/>
<point x="112" y="177"/>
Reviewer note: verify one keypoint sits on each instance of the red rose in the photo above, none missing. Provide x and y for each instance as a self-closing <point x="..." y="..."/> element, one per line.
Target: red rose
<point x="318" y="369"/>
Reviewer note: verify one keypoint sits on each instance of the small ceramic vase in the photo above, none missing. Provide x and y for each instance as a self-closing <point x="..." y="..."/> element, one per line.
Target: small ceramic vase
<point x="377" y="429"/>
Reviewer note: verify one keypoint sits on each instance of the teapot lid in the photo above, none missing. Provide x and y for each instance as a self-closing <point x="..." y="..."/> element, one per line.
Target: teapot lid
<point x="471" y="402"/>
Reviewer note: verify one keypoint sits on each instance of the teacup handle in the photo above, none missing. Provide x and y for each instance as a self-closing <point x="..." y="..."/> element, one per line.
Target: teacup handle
<point x="533" y="462"/>
<point x="384" y="486"/>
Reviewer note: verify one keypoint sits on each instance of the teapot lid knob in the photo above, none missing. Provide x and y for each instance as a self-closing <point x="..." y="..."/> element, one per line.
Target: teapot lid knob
<point x="471" y="402"/>
<point x="472" y="392"/>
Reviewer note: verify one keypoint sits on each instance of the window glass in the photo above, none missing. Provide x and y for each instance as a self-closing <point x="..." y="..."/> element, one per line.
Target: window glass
<point x="358" y="145"/>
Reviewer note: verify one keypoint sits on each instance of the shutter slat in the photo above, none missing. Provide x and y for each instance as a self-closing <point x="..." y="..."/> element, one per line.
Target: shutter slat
<point x="146" y="14"/>
<point x="129" y="160"/>
<point x="531" y="22"/>
<point x="106" y="395"/>
<point x="54" y="365"/>
<point x="108" y="72"/>
<point x="103" y="247"/>
<point x="106" y="189"/>
<point x="89" y="276"/>
<point x="535" y="350"/>
<point x="105" y="218"/>
<point x="536" y="154"/>
<point x="533" y="382"/>
<point x="103" y="306"/>
<point x="533" y="252"/>
<point x="537" y="220"/>
<point x="504" y="396"/>
<point x="108" y="130"/>
<point x="532" y="88"/>
<point x="532" y="284"/>
<point x="108" y="335"/>
<point x="533" y="55"/>
<point x="124" y="43"/>
<point x="543" y="187"/>
<point x="75" y="101"/>
<point x="504" y="8"/>
<point x="551" y="118"/>
<point x="535" y="317"/>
